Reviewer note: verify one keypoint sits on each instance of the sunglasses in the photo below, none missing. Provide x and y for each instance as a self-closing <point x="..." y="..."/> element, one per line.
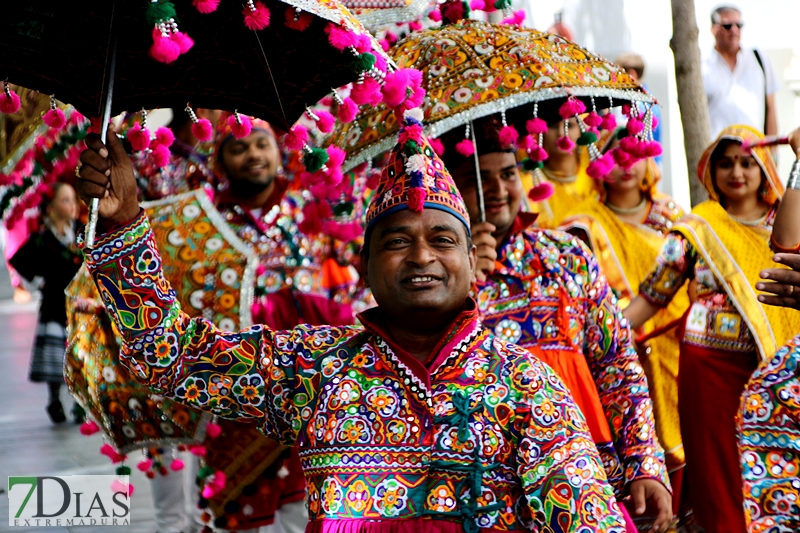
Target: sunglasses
<point x="730" y="25"/>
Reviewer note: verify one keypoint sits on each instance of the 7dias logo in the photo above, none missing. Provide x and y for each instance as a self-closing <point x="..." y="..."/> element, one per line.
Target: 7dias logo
<point x="63" y="501"/>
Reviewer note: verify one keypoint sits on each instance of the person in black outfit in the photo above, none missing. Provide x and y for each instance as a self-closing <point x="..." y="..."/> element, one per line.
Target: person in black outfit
<point x="51" y="254"/>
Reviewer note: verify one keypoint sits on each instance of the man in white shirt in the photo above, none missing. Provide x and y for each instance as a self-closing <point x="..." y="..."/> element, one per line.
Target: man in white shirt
<point x="740" y="82"/>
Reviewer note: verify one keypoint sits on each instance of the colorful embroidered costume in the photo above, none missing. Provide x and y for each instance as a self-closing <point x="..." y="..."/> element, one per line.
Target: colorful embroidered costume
<point x="485" y="436"/>
<point x="187" y="170"/>
<point x="769" y="432"/>
<point x="548" y="292"/>
<point x="626" y="252"/>
<point x="726" y="332"/>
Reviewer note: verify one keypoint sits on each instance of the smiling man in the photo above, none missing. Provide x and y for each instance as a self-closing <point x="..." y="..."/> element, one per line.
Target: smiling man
<point x="544" y="290"/>
<point x="421" y="420"/>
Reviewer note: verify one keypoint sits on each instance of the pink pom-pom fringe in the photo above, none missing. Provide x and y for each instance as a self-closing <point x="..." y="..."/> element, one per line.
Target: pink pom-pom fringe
<point x="347" y="111"/>
<point x="571" y="107"/>
<point x="55" y="119"/>
<point x="465" y="148"/>
<point x="258" y="19"/>
<point x="205" y="6"/>
<point x="138" y="137"/>
<point x="9" y="103"/>
<point x="565" y="144"/>
<point x="541" y="192"/>
<point x="203" y="130"/>
<point x="508" y="135"/>
<point x="296" y="138"/>
<point x="242" y="127"/>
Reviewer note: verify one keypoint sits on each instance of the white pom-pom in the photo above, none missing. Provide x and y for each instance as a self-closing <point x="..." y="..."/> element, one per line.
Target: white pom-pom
<point x="416" y="163"/>
<point x="415" y="113"/>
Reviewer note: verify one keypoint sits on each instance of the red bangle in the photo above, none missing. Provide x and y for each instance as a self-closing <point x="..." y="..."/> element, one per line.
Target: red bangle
<point x="777" y="248"/>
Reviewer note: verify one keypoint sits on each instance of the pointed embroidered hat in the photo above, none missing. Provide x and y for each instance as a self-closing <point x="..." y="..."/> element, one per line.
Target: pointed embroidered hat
<point x="415" y="178"/>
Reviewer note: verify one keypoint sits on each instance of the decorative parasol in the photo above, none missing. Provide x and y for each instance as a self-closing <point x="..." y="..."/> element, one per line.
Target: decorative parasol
<point x="472" y="69"/>
<point x="213" y="273"/>
<point x="270" y="60"/>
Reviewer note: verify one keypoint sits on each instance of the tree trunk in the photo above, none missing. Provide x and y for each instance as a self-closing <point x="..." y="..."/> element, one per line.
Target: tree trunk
<point x="691" y="93"/>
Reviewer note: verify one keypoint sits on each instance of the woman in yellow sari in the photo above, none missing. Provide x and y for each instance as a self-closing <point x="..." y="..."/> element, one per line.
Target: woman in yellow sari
<point x="626" y="229"/>
<point x="720" y="248"/>
<point x="566" y="171"/>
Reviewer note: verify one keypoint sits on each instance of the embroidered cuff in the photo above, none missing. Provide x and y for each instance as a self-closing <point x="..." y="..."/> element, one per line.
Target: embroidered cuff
<point x="110" y="246"/>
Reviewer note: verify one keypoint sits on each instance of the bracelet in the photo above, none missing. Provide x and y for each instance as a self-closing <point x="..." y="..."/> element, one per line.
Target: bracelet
<point x="778" y="249"/>
<point x="794" y="176"/>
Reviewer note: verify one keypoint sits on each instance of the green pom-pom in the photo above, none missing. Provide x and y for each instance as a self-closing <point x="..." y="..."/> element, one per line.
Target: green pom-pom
<point x="315" y="159"/>
<point x="502" y="4"/>
<point x="411" y="148"/>
<point x="530" y="165"/>
<point x="587" y="138"/>
<point x="158" y="11"/>
<point x="124" y="471"/>
<point x="205" y="472"/>
<point x="363" y="62"/>
<point x="343" y="209"/>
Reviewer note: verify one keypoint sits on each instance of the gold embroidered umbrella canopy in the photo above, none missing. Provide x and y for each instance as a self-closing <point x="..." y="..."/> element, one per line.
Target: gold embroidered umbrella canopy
<point x="472" y="69"/>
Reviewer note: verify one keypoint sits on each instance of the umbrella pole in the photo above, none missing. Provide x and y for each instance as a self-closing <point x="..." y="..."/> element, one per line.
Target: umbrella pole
<point x="94" y="207"/>
<point x="479" y="184"/>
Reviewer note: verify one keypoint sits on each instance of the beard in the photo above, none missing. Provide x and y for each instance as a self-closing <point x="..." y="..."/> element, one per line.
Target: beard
<point x="245" y="188"/>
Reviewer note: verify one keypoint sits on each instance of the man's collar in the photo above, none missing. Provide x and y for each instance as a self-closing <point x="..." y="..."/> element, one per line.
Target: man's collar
<point x="373" y="321"/>
<point x="227" y="198"/>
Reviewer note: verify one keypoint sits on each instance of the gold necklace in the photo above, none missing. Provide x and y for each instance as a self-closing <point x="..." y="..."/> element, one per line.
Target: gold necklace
<point x="751" y="223"/>
<point x="552" y="177"/>
<point x="628" y="210"/>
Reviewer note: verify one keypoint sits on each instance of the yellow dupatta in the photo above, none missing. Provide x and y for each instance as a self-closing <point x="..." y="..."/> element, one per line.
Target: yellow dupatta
<point x="736" y="254"/>
<point x="626" y="254"/>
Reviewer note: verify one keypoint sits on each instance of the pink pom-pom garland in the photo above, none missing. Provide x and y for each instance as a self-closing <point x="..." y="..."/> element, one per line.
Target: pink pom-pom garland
<point x="339" y="37"/>
<point x="55" y="118"/>
<point x="336" y="157"/>
<point x="415" y="25"/>
<point x="635" y="126"/>
<point x="326" y="121"/>
<point x="296" y="138"/>
<point x="119" y="486"/>
<point x="111" y="453"/>
<point x="508" y="136"/>
<point x="536" y="126"/>
<point x="538" y="154"/>
<point x="9" y="100"/>
<point x="89" y="427"/>
<point x="601" y="167"/>
<point x="183" y="41"/>
<point x="203" y="130"/>
<point x="571" y="107"/>
<point x="161" y="155"/>
<point x="205" y="6"/>
<point x="517" y="18"/>
<point x="366" y="92"/>
<point x="477" y="5"/>
<point x="297" y="20"/>
<point x="593" y="120"/>
<point x="240" y="125"/>
<point x="435" y="15"/>
<point x="397" y="88"/>
<point x="347" y="110"/>
<point x="164" y="49"/>
<point x="144" y="465"/>
<point x="256" y="15"/>
<point x="139" y="137"/>
<point x="465" y="148"/>
<point x="608" y="122"/>
<point x="213" y="429"/>
<point x="164" y="137"/>
<point x="565" y="144"/>
<point x="176" y="465"/>
<point x="542" y="191"/>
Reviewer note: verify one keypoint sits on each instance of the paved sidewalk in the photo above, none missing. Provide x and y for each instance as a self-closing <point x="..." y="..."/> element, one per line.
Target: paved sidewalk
<point x="31" y="445"/>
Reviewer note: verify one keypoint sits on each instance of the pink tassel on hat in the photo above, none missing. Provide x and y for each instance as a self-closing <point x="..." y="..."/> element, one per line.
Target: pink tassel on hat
<point x="296" y="138"/>
<point x="138" y="137"/>
<point x="240" y="125"/>
<point x="465" y="148"/>
<point x="205" y="6"/>
<point x="508" y="135"/>
<point x="256" y="15"/>
<point x="542" y="191"/>
<point x="9" y="100"/>
<point x="601" y="167"/>
<point x="416" y="198"/>
<point x="347" y="110"/>
<point x="297" y="19"/>
<point x="565" y="144"/>
<point x="571" y="107"/>
<point x="164" y="49"/>
<point x="89" y="427"/>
